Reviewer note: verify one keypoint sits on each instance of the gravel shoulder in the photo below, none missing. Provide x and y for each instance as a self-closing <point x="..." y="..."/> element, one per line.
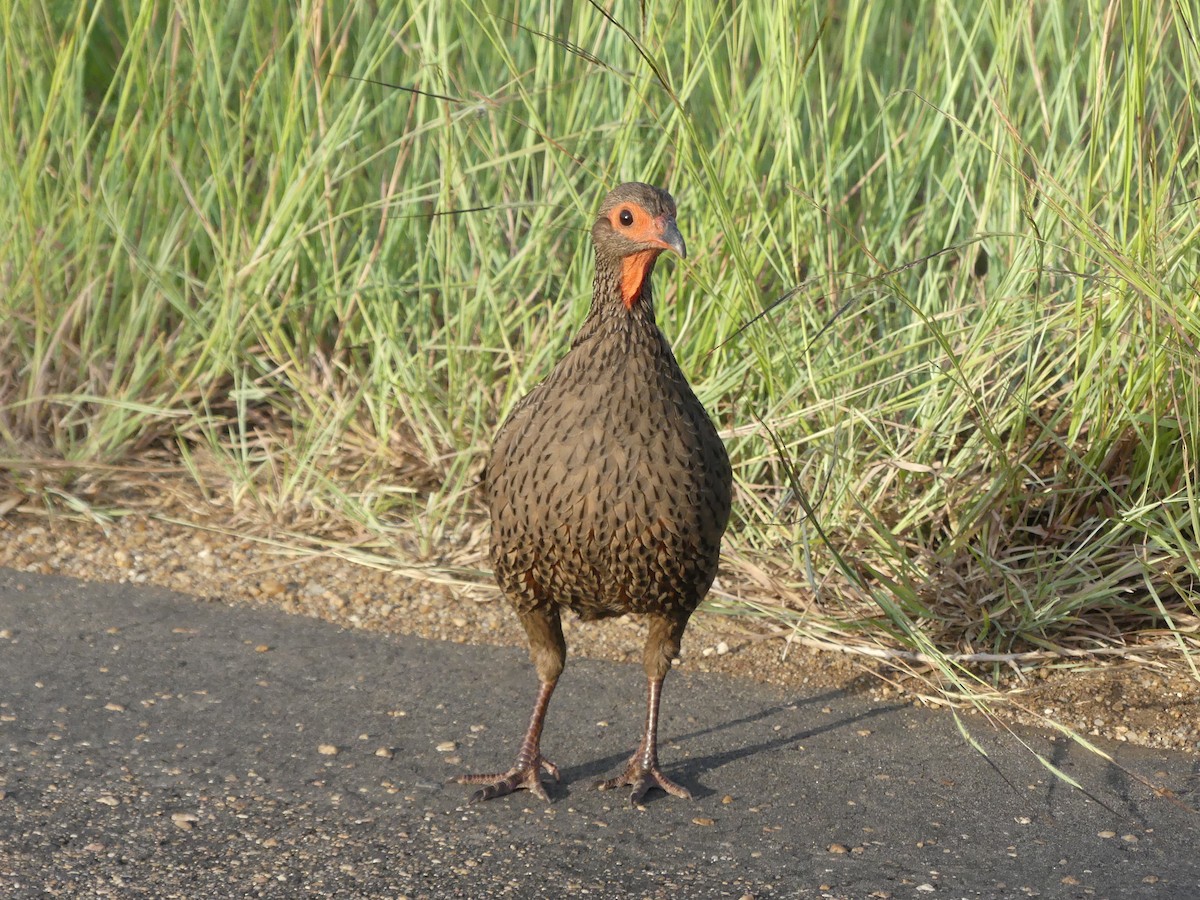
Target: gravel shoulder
<point x="1125" y="702"/>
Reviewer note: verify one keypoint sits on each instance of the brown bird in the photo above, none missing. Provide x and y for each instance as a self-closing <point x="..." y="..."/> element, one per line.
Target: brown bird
<point x="608" y="486"/>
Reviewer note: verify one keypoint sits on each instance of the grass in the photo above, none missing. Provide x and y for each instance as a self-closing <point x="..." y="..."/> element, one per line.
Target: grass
<point x="943" y="296"/>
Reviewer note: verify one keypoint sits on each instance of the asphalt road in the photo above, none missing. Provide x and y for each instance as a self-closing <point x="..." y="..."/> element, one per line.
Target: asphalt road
<point x="155" y="745"/>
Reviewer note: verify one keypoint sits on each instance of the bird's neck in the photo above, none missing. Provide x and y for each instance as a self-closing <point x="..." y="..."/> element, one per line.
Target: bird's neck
<point x="622" y="299"/>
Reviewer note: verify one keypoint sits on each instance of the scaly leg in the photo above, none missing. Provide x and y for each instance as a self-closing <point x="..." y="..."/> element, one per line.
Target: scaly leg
<point x="526" y="771"/>
<point x="642" y="773"/>
<point x="548" y="651"/>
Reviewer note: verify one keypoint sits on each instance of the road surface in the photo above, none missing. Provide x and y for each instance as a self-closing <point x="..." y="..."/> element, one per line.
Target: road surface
<point x="156" y="745"/>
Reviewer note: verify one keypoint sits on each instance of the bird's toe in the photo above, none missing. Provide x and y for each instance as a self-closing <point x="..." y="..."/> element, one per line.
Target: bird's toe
<point x="642" y="779"/>
<point x="524" y="776"/>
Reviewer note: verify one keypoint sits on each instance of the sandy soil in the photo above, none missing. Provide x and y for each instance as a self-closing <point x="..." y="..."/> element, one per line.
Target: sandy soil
<point x="1124" y="701"/>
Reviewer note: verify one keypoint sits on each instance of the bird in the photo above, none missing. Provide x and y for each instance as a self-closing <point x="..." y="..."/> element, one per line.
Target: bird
<point x="608" y="489"/>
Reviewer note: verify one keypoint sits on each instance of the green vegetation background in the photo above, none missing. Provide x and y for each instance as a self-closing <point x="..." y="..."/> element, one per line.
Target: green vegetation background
<point x="967" y="237"/>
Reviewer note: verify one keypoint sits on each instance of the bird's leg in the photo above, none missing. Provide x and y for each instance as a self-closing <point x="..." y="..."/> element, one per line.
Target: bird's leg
<point x="548" y="651"/>
<point x="526" y="771"/>
<point x="642" y="772"/>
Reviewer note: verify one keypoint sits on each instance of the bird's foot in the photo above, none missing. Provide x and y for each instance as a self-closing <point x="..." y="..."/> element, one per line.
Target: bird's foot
<point x="522" y="776"/>
<point x="642" y="778"/>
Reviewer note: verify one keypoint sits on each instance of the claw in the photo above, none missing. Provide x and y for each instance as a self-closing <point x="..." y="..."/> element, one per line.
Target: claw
<point x="642" y="779"/>
<point x="521" y="777"/>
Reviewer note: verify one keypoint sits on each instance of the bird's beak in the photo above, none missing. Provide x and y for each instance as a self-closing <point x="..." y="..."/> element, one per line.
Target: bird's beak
<point x="671" y="238"/>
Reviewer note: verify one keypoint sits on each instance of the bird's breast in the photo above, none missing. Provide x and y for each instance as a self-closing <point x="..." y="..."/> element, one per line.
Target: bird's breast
<point x="613" y="425"/>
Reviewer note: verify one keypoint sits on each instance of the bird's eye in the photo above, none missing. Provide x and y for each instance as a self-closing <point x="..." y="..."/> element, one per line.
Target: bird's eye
<point x="626" y="218"/>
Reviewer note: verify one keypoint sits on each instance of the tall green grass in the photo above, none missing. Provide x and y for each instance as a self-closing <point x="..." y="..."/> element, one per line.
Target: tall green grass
<point x="325" y="248"/>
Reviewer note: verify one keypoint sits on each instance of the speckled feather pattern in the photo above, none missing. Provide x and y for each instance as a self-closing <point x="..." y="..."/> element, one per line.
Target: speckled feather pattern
<point x="608" y="486"/>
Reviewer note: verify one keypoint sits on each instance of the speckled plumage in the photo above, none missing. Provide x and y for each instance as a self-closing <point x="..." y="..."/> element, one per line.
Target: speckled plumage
<point x="608" y="486"/>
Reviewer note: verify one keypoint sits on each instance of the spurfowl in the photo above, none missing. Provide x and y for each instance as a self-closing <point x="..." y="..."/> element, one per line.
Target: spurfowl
<point x="608" y="486"/>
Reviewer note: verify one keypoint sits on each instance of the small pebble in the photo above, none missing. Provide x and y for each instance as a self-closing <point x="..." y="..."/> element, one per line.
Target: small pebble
<point x="270" y="587"/>
<point x="327" y="750"/>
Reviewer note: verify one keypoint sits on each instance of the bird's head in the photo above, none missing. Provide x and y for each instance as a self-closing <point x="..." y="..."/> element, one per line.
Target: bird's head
<point x="635" y="224"/>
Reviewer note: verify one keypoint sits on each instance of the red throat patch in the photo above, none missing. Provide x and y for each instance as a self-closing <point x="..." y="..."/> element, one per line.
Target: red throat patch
<point x="633" y="274"/>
